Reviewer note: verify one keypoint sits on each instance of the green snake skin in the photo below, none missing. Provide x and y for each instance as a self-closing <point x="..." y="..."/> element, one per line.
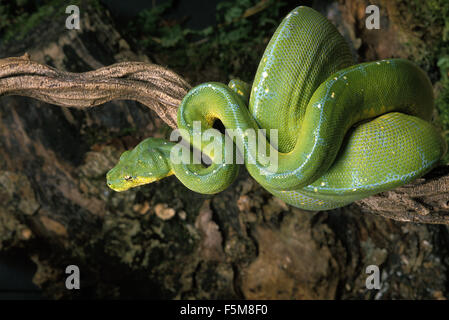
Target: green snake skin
<point x="344" y="131"/>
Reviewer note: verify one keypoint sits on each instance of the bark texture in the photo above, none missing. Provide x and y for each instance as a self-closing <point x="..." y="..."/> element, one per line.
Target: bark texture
<point x="154" y="86"/>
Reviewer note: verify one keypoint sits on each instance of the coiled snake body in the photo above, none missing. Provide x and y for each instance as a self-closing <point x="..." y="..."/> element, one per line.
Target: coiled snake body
<point x="345" y="131"/>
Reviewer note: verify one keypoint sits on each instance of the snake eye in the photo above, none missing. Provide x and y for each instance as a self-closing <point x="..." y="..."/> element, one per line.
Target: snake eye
<point x="128" y="178"/>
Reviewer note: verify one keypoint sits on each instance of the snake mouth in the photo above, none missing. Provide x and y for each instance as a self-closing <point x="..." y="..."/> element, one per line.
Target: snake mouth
<point x="117" y="186"/>
<point x="127" y="182"/>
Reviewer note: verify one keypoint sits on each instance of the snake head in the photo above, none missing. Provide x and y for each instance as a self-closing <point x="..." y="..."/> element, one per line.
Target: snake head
<point x="149" y="161"/>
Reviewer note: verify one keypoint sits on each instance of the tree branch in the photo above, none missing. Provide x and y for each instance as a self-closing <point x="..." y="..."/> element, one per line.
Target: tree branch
<point x="154" y="86"/>
<point x="424" y="201"/>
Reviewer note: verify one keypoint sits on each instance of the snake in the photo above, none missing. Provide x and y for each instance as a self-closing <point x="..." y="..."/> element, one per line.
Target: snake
<point x="339" y="131"/>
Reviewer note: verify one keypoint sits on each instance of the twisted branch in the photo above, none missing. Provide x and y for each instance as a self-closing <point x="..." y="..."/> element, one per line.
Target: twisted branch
<point x="424" y="201"/>
<point x="154" y="86"/>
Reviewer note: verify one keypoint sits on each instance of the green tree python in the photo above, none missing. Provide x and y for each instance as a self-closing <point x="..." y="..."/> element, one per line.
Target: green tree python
<point x="345" y="131"/>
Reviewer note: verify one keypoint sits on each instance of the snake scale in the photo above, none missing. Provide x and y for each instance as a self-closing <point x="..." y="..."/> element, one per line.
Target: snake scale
<point x="345" y="131"/>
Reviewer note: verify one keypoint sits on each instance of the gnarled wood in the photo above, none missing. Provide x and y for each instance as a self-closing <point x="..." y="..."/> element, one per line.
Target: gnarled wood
<point x="154" y="86"/>
<point x="426" y="200"/>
